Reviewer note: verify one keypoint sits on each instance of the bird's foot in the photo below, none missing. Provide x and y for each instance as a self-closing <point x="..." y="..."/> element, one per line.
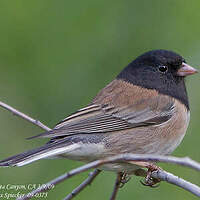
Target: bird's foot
<point x="150" y="181"/>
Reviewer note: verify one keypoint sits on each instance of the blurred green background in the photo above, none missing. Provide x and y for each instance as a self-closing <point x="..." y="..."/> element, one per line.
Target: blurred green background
<point x="56" y="55"/>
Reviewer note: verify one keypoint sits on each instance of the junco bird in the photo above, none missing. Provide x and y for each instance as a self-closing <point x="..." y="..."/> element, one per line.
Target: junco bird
<point x="144" y="110"/>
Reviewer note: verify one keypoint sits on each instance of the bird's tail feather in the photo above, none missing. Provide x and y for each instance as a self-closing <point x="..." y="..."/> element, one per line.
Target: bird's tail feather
<point x="48" y="150"/>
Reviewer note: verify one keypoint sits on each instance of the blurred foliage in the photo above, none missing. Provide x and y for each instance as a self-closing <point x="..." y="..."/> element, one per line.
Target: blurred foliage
<point x="56" y="55"/>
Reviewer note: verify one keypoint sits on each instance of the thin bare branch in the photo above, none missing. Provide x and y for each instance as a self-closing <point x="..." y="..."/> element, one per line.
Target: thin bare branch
<point x="116" y="186"/>
<point x="185" y="161"/>
<point x="84" y="184"/>
<point x="175" y="180"/>
<point x="24" y="116"/>
<point x="125" y="158"/>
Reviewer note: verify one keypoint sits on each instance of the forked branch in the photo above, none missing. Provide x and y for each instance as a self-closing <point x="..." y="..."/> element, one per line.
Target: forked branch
<point x="85" y="183"/>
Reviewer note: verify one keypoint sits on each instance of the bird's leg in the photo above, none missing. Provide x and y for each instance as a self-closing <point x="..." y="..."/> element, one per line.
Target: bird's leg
<point x="125" y="179"/>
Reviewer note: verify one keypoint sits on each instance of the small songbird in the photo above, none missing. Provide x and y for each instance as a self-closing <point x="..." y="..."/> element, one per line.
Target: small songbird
<point x="145" y="110"/>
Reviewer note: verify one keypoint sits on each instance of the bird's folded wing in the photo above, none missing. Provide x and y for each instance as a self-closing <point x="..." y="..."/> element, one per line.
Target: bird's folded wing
<point x="107" y="118"/>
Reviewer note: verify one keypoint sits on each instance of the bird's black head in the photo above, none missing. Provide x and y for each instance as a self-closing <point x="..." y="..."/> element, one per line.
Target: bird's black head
<point x="161" y="70"/>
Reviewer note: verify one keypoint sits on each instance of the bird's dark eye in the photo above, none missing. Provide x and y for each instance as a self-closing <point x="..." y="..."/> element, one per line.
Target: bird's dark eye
<point x="163" y="68"/>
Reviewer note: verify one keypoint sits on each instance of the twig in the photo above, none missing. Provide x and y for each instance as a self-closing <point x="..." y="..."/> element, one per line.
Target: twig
<point x="24" y="116"/>
<point x="124" y="158"/>
<point x="175" y="180"/>
<point x="185" y="161"/>
<point x="84" y="184"/>
<point x="116" y="186"/>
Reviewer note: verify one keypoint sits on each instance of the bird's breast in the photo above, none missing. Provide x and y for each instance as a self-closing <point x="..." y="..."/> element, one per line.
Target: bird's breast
<point x="156" y="139"/>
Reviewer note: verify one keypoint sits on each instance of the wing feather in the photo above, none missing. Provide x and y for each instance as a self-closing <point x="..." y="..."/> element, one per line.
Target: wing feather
<point x="106" y="118"/>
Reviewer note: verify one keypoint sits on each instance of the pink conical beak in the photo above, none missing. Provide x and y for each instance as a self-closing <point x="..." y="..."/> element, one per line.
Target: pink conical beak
<point x="186" y="70"/>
